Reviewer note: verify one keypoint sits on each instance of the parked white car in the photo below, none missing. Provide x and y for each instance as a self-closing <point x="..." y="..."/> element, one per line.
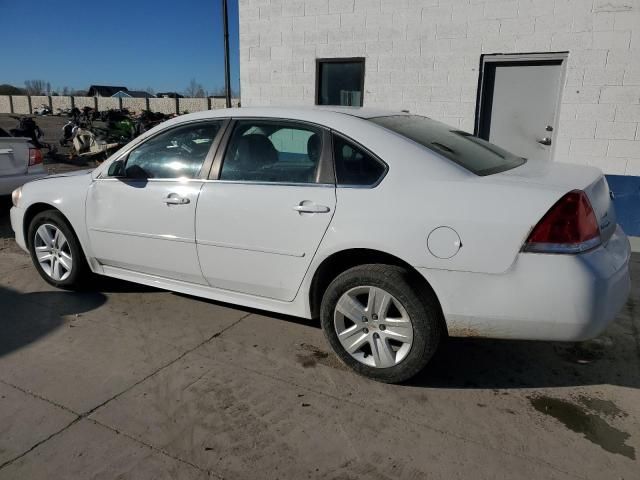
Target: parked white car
<point x="392" y="228"/>
<point x="20" y="162"/>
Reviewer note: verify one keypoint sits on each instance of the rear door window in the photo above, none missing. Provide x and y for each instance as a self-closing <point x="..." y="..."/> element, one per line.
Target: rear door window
<point x="273" y="152"/>
<point x="468" y="151"/>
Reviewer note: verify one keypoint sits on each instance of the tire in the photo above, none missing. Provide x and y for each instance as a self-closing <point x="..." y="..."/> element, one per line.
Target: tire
<point x="73" y="278"/>
<point x="401" y="362"/>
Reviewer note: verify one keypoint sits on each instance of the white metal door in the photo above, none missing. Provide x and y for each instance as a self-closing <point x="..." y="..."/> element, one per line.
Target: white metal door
<point x="145" y="226"/>
<point x="260" y="239"/>
<point x="523" y="109"/>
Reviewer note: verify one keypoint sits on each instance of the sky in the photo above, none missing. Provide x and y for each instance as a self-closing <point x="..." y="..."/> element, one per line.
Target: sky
<point x="138" y="44"/>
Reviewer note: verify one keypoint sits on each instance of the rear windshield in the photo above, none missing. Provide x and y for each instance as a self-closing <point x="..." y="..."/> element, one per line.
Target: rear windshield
<point x="472" y="153"/>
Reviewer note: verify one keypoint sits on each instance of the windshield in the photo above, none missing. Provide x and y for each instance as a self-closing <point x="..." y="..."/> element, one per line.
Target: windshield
<point x="472" y="153"/>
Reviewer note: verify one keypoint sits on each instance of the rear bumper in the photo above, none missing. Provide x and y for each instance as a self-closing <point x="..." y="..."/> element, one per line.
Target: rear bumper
<point x="9" y="183"/>
<point x="17" y="216"/>
<point x="542" y="297"/>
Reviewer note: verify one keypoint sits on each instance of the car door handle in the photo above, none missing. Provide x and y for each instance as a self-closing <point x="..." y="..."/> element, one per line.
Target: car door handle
<point x="173" y="199"/>
<point x="311" y="208"/>
<point x="545" y="141"/>
<point x="6" y="150"/>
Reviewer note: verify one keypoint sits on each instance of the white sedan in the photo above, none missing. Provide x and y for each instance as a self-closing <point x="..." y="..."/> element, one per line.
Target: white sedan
<point x="394" y="229"/>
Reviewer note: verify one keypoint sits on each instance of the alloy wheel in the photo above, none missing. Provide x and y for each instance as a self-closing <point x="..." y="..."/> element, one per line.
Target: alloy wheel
<point x="53" y="252"/>
<point x="373" y="326"/>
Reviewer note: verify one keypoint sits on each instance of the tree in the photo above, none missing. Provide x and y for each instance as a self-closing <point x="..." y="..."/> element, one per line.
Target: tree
<point x="218" y="92"/>
<point x="195" y="90"/>
<point x="35" y="87"/>
<point x="6" y="89"/>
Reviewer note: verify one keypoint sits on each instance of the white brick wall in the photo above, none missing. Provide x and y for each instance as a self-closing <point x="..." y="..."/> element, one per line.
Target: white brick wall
<point x="423" y="55"/>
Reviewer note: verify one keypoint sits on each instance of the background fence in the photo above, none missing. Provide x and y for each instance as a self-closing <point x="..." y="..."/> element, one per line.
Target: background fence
<point x="23" y="104"/>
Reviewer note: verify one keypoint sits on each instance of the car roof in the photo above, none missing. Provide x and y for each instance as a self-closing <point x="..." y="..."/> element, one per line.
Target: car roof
<point x="311" y="113"/>
<point x="360" y="111"/>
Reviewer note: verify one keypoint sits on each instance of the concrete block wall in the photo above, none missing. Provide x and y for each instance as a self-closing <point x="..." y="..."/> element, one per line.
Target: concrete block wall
<point x="423" y="55"/>
<point x="20" y="104"/>
<point x="81" y="102"/>
<point x="107" y="103"/>
<point x="163" y="105"/>
<point x="58" y="102"/>
<point x="5" y="103"/>
<point x="193" y="104"/>
<point x="38" y="100"/>
<point x="221" y="103"/>
<point x="134" y="104"/>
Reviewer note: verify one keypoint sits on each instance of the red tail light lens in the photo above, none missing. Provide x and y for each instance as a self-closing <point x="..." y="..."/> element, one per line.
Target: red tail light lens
<point x="35" y="156"/>
<point x="570" y="226"/>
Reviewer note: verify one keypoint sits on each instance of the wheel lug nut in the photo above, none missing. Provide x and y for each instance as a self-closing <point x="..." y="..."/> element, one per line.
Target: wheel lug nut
<point x="365" y="330"/>
<point x="365" y="319"/>
<point x="382" y="327"/>
<point x="374" y="317"/>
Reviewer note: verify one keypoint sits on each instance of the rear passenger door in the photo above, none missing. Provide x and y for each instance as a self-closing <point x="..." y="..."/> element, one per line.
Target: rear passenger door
<point x="266" y="208"/>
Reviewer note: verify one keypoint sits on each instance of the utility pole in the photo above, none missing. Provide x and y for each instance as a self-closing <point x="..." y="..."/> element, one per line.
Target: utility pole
<point x="227" y="80"/>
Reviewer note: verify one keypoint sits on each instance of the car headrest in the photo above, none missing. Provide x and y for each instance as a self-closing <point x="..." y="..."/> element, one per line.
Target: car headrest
<point x="256" y="150"/>
<point x="314" y="147"/>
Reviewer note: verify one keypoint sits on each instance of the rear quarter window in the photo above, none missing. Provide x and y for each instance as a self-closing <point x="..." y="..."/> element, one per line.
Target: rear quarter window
<point x="354" y="166"/>
<point x="473" y="153"/>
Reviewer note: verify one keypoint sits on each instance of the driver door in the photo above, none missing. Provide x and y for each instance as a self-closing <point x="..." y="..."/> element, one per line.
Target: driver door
<point x="143" y="218"/>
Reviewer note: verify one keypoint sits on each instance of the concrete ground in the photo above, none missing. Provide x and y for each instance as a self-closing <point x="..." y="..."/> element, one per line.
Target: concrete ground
<point x="132" y="382"/>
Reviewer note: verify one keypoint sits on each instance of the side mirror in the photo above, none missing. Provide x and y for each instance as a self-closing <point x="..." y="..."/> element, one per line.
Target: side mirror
<point x="116" y="169"/>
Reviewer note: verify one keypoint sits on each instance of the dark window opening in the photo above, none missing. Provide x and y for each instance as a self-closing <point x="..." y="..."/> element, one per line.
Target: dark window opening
<point x="340" y="82"/>
<point x="354" y="167"/>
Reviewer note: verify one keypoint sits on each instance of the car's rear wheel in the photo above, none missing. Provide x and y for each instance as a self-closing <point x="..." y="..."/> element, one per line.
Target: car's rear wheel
<point x="56" y="252"/>
<point x="379" y="323"/>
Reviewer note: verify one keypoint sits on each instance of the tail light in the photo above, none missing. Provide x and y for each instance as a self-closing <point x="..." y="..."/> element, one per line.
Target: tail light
<point x="35" y="156"/>
<point x="570" y="226"/>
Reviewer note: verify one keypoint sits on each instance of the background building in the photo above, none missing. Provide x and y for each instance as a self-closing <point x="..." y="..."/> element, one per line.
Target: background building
<point x="548" y="79"/>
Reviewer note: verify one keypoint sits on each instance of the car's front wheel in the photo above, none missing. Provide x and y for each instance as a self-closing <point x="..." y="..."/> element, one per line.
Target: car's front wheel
<point x="379" y="323"/>
<point x="56" y="252"/>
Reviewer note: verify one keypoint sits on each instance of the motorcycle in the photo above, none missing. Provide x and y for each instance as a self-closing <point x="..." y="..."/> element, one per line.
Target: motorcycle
<point x="28" y="128"/>
<point x="42" y="110"/>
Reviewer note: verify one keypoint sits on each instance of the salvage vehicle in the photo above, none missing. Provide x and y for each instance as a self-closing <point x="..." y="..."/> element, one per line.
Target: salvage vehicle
<point x="394" y="229"/>
<point x="20" y="162"/>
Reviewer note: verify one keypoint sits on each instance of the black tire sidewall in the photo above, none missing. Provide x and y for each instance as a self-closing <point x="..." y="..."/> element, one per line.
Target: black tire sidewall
<point x="79" y="268"/>
<point x="420" y="306"/>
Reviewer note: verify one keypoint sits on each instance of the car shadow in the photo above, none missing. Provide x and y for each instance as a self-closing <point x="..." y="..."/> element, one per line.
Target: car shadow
<point x="115" y="285"/>
<point x="27" y="317"/>
<point x="5" y="223"/>
<point x="502" y="364"/>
